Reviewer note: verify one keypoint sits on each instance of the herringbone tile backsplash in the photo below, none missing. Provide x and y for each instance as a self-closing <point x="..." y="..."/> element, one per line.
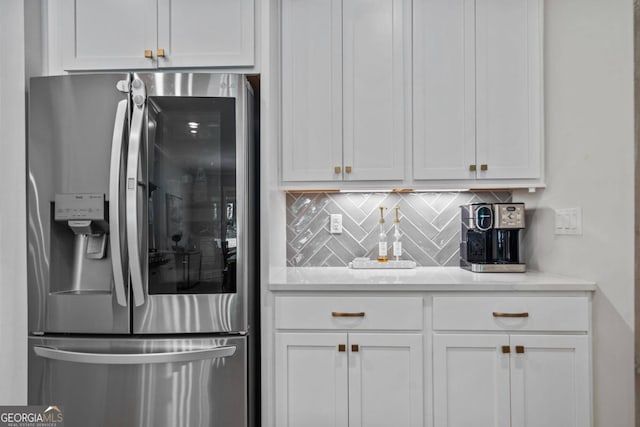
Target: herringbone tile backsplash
<point x="429" y="223"/>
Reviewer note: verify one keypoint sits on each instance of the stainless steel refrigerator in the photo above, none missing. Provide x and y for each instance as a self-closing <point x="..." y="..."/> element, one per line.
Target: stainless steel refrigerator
<point x="141" y="249"/>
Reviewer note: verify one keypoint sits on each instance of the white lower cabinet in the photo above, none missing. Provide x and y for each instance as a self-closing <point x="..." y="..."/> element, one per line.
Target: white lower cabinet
<point x="349" y="379"/>
<point x="490" y="371"/>
<point x="345" y="361"/>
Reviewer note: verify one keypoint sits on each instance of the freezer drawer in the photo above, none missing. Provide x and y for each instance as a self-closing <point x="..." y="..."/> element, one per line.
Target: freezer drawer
<point x="141" y="382"/>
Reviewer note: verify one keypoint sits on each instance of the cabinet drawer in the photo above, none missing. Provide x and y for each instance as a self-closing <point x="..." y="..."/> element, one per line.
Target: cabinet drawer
<point x="403" y="313"/>
<point x="511" y="313"/>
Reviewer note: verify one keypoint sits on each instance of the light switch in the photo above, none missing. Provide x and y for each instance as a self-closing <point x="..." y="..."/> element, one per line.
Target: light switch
<point x="335" y="226"/>
<point x="568" y="221"/>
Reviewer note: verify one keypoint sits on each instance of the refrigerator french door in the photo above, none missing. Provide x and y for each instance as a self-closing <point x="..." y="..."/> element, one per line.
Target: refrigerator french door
<point x="138" y="191"/>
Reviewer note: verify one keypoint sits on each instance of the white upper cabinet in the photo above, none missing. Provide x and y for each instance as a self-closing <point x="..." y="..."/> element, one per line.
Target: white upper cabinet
<point x="311" y="90"/>
<point x="345" y="88"/>
<point x="149" y="34"/>
<point x="444" y="89"/>
<point x="478" y="89"/>
<point x="509" y="91"/>
<point x="376" y="41"/>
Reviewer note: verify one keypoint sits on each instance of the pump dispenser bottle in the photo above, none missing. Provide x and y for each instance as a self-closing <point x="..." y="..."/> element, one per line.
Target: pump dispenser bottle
<point x="397" y="244"/>
<point x="382" y="239"/>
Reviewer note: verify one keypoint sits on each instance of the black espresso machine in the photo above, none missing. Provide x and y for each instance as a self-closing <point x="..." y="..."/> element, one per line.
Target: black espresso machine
<point x="490" y="237"/>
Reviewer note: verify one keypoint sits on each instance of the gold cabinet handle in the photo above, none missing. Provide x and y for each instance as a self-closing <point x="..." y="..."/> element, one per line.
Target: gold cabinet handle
<point x="355" y="348"/>
<point x="506" y="349"/>
<point x="342" y="347"/>
<point x="472" y="168"/>
<point x="338" y="314"/>
<point x="337" y="169"/>
<point x="347" y="169"/>
<point x="148" y="54"/>
<point x="498" y="314"/>
<point x="160" y="53"/>
<point x="520" y="349"/>
<point x="484" y="167"/>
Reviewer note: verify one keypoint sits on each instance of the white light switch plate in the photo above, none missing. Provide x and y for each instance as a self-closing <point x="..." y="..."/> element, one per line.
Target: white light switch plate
<point x="335" y="226"/>
<point x="568" y="221"/>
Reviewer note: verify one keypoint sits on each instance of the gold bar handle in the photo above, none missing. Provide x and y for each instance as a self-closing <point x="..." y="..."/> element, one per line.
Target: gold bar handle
<point x="347" y="169"/>
<point x="160" y="53"/>
<point x="520" y="349"/>
<point x="338" y="314"/>
<point x="498" y="314"/>
<point x="337" y="169"/>
<point x="148" y="54"/>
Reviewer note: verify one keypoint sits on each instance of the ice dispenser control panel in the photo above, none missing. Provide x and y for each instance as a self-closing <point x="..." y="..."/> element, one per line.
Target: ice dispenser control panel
<point x="78" y="207"/>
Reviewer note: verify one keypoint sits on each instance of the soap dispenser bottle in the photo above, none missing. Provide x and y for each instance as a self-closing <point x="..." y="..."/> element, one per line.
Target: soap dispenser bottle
<point x="397" y="244"/>
<point x="382" y="239"/>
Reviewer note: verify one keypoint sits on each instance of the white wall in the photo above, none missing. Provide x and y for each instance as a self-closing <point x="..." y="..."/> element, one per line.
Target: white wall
<point x="13" y="282"/>
<point x="590" y="164"/>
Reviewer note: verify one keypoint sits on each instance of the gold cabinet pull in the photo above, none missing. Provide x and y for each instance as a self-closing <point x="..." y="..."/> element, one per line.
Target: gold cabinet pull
<point x="347" y="169"/>
<point x="472" y="168"/>
<point x="148" y="53"/>
<point x="506" y="349"/>
<point x="160" y="53"/>
<point x="337" y="169"/>
<point x="355" y="348"/>
<point x="339" y="314"/>
<point x="342" y="347"/>
<point x="498" y="314"/>
<point x="520" y="349"/>
<point x="484" y="167"/>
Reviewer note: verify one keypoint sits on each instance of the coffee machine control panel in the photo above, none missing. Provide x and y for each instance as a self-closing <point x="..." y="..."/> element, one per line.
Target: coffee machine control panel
<point x="509" y="215"/>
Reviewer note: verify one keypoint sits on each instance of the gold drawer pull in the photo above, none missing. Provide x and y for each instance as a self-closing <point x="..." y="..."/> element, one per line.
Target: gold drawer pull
<point x="472" y="168"/>
<point x="355" y="348"/>
<point x="342" y="347"/>
<point x="337" y="169"/>
<point x="148" y="54"/>
<point x="347" y="169"/>
<point x="506" y="349"/>
<point x="484" y="167"/>
<point x="498" y="314"/>
<point x="338" y="314"/>
<point x="160" y="53"/>
<point x="520" y="349"/>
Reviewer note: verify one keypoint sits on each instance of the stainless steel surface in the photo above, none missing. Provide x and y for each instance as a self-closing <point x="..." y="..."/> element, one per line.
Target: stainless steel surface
<point x="509" y="215"/>
<point x="118" y="258"/>
<point x="469" y="216"/>
<point x="225" y="312"/>
<point x="133" y="358"/>
<point x="210" y="392"/>
<point x="132" y="192"/>
<point x="71" y="120"/>
<point x="496" y="268"/>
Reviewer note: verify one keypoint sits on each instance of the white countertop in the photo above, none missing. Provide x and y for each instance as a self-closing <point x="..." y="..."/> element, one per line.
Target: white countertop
<point x="419" y="279"/>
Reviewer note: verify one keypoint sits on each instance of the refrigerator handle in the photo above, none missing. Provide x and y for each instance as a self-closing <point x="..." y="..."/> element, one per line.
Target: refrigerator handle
<point x="134" y="358"/>
<point x="133" y="160"/>
<point x="114" y="203"/>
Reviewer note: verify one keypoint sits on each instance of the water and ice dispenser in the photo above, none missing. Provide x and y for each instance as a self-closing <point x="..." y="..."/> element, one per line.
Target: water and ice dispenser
<point x="79" y="235"/>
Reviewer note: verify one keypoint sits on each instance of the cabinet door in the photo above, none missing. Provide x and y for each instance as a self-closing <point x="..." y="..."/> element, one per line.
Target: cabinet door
<point x="470" y="380"/>
<point x="377" y="53"/>
<point x="311" y="380"/>
<point x="550" y="381"/>
<point x="385" y="380"/>
<point x="444" y="140"/>
<point x="206" y="33"/>
<point x="102" y="35"/>
<point x="509" y="88"/>
<point x="311" y="90"/>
